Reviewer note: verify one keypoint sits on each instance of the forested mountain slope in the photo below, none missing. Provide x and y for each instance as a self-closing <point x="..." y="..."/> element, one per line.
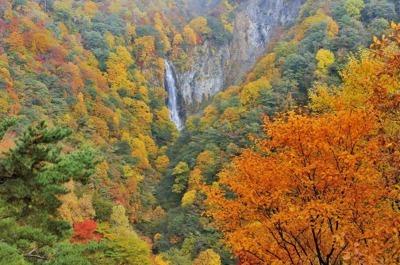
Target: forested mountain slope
<point x="93" y="170"/>
<point x="310" y="54"/>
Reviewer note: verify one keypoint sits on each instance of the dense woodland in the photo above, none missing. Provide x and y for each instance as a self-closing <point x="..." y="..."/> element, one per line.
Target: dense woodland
<point x="297" y="164"/>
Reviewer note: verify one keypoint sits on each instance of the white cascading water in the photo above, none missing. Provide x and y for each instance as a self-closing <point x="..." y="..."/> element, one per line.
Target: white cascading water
<point x="172" y="96"/>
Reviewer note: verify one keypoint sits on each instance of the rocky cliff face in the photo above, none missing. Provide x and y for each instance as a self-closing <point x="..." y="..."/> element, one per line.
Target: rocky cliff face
<point x="215" y="68"/>
<point x="199" y="7"/>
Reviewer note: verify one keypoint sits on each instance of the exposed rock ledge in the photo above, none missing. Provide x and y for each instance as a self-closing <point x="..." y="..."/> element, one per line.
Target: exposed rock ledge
<point x="215" y="68"/>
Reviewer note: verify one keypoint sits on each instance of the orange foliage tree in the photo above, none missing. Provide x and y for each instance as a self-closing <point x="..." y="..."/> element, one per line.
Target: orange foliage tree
<point x="314" y="193"/>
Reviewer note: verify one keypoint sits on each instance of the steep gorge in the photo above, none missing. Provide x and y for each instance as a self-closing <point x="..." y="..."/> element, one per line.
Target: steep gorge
<point x="96" y="166"/>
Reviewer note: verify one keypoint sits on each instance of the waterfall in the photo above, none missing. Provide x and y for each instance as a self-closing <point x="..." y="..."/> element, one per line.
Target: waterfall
<point x="170" y="84"/>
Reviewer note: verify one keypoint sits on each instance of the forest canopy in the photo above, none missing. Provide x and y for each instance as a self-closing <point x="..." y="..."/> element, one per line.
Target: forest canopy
<point x="295" y="160"/>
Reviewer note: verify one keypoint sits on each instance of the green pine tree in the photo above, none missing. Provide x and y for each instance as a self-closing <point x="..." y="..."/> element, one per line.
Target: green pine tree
<point x="32" y="174"/>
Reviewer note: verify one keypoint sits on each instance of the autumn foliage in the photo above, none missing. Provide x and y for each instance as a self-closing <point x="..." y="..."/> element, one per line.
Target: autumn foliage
<point x="322" y="189"/>
<point x="85" y="232"/>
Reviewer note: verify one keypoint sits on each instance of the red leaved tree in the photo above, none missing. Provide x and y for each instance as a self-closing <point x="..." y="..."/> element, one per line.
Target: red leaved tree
<point x="85" y="232"/>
